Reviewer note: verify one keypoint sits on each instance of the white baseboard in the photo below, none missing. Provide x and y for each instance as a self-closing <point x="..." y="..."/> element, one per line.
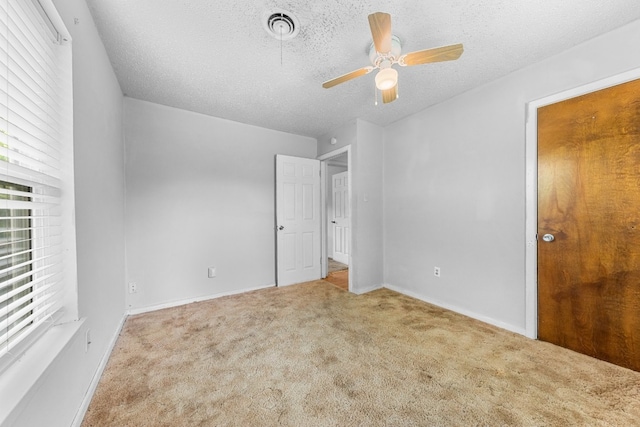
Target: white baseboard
<point x="147" y="309"/>
<point x="473" y="315"/>
<point x="82" y="410"/>
<point x="368" y="289"/>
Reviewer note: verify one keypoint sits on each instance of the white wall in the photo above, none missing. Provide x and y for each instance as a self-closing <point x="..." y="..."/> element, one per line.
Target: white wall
<point x="366" y="141"/>
<point x="455" y="184"/>
<point x="368" y="200"/>
<point x="200" y="193"/>
<point x="99" y="181"/>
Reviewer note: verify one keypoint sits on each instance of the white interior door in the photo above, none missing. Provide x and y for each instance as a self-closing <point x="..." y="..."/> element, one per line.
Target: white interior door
<point x="297" y="219"/>
<point x="340" y="220"/>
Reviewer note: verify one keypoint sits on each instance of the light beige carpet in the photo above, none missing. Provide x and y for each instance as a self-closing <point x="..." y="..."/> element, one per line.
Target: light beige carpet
<point x="314" y="355"/>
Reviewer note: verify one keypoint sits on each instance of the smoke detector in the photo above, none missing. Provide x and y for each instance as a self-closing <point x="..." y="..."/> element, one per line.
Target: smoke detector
<point x="281" y="24"/>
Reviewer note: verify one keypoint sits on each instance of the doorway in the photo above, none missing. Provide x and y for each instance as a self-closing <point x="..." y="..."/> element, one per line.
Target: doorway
<point x="336" y="206"/>
<point x="580" y="290"/>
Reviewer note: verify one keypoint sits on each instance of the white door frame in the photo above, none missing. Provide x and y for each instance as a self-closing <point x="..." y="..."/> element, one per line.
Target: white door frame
<point x="323" y="206"/>
<point x="531" y="192"/>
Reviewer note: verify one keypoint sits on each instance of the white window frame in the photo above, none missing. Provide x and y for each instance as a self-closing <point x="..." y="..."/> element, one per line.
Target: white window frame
<point x="67" y="296"/>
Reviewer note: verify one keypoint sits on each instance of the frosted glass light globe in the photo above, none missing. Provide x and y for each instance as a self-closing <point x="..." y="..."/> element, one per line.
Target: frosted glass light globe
<point x="386" y="79"/>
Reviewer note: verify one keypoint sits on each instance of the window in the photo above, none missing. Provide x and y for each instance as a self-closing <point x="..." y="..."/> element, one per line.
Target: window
<point x="37" y="237"/>
<point x="15" y="263"/>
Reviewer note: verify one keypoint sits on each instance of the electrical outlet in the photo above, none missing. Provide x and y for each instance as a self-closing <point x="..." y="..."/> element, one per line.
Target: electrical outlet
<point x="133" y="287"/>
<point x="436" y="271"/>
<point x="212" y="272"/>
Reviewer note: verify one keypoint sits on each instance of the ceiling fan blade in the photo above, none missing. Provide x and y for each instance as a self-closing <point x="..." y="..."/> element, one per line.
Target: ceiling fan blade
<point x="390" y="95"/>
<point x="380" y="24"/>
<point x="437" y="54"/>
<point x="347" y="77"/>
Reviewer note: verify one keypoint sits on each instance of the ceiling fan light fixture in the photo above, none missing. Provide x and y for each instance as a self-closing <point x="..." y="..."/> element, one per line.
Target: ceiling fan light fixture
<point x="385" y="51"/>
<point x="386" y="79"/>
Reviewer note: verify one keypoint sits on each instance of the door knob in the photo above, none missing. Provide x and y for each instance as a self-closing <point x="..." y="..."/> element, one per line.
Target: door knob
<point x="281" y="227"/>
<point x="333" y="222"/>
<point x="548" y="238"/>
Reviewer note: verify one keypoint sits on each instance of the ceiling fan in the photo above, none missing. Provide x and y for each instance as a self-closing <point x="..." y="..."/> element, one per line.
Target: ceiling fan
<point x="385" y="52"/>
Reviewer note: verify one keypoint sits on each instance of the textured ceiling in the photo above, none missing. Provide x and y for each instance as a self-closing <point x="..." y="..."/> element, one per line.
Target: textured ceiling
<point x="215" y="57"/>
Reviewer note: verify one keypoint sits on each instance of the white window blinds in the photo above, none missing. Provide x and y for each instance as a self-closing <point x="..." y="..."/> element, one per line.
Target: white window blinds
<point x="34" y="146"/>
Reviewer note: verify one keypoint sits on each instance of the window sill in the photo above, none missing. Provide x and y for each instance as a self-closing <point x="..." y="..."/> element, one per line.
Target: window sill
<point x="26" y="373"/>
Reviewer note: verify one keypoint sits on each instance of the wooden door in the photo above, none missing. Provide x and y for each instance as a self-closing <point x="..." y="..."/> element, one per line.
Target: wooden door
<point x="297" y="220"/>
<point x="340" y="220"/>
<point x="589" y="200"/>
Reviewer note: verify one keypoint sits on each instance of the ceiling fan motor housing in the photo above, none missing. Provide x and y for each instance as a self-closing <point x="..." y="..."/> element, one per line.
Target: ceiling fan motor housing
<point x="378" y="58"/>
